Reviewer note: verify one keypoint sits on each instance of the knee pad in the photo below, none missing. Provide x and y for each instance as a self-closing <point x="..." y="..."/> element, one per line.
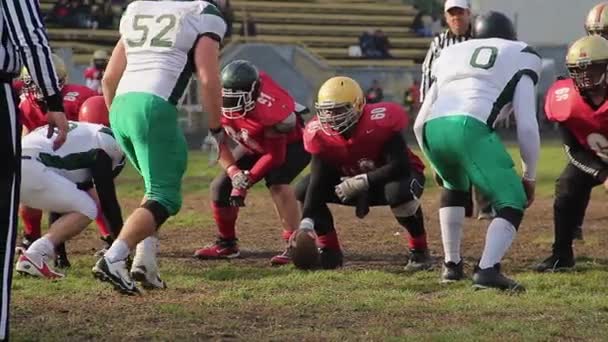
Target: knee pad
<point x="220" y="188"/>
<point x="406" y="209"/>
<point x="453" y="198"/>
<point x="514" y="216"/>
<point x="160" y="213"/>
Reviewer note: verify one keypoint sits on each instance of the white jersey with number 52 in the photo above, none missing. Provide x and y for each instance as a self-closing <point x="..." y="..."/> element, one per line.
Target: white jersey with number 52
<point x="478" y="77"/>
<point x="159" y="37"/>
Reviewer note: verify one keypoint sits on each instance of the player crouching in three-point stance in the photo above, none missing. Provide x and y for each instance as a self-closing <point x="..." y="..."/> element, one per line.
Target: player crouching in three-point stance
<point x="263" y="119"/>
<point x="359" y="158"/>
<point x="476" y="81"/>
<point x="578" y="104"/>
<point x="58" y="182"/>
<point x="148" y="72"/>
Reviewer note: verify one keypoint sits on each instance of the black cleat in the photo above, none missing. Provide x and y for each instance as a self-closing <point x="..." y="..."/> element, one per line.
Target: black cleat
<point x="555" y="263"/>
<point x="452" y="272"/>
<point x="116" y="274"/>
<point x="492" y="278"/>
<point x="61" y="259"/>
<point x="331" y="258"/>
<point x="419" y="260"/>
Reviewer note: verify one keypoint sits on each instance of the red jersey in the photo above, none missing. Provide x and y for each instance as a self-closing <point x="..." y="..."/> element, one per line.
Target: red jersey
<point x="73" y="95"/>
<point x="363" y="152"/>
<point x="273" y="106"/>
<point x="92" y="77"/>
<point x="565" y="105"/>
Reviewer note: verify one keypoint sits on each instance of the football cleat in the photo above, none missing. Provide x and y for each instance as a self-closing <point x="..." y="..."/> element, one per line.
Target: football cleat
<point x="555" y="263"/>
<point x="304" y="250"/>
<point x="116" y="274"/>
<point x="61" y="258"/>
<point x="492" y="278"/>
<point x="452" y="272"/>
<point x="221" y="249"/>
<point x="37" y="266"/>
<point x="419" y="260"/>
<point x="331" y="258"/>
<point x="148" y="277"/>
<point x="282" y="259"/>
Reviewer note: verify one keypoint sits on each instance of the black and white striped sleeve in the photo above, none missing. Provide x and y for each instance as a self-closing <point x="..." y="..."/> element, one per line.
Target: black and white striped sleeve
<point x="29" y="37"/>
<point x="426" y="80"/>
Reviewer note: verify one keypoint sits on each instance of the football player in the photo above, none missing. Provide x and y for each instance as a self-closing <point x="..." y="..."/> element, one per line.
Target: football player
<point x="94" y="73"/>
<point x="597" y="20"/>
<point x="161" y="45"/>
<point x="578" y="105"/>
<point x="265" y="122"/>
<point x="359" y="158"/>
<point x="476" y="82"/>
<point x="61" y="181"/>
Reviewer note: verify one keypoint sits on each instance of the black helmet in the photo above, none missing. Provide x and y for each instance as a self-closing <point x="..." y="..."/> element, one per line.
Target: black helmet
<point x="493" y="25"/>
<point x="240" y="88"/>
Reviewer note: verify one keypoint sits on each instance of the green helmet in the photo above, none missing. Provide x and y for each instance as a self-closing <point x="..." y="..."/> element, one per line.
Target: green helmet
<point x="240" y="88"/>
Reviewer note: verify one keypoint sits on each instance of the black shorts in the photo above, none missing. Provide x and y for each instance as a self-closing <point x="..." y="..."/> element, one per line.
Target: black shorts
<point x="296" y="160"/>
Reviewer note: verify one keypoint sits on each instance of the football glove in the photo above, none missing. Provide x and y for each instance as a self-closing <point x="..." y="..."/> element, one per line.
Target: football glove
<point x="351" y="187"/>
<point x="240" y="179"/>
<point x="237" y="197"/>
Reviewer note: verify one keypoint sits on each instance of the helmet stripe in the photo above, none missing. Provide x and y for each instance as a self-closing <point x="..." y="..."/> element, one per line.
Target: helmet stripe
<point x="599" y="12"/>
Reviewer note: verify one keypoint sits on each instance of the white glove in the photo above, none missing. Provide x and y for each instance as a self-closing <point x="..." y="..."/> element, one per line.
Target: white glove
<point x="212" y="143"/>
<point x="351" y="187"/>
<point x="240" y="179"/>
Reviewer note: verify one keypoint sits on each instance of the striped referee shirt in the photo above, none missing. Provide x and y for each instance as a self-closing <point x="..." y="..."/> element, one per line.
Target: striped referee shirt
<point x="440" y="42"/>
<point x="23" y="42"/>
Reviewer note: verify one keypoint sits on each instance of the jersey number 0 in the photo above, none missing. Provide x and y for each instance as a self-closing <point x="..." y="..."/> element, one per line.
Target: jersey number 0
<point x="164" y="23"/>
<point x="484" y="57"/>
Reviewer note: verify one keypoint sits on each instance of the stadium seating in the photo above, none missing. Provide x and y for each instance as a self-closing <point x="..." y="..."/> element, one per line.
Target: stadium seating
<point x="327" y="27"/>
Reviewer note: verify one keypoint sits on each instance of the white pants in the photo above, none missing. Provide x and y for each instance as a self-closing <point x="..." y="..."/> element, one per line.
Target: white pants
<point x="43" y="189"/>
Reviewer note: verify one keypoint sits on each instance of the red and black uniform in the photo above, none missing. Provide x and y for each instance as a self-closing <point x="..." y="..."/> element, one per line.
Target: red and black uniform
<point x="376" y="147"/>
<point x="584" y="131"/>
<point x="33" y="113"/>
<point x="269" y="146"/>
<point x="93" y="76"/>
<point x="33" y="116"/>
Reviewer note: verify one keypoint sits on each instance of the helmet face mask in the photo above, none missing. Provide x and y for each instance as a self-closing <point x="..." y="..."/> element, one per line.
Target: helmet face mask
<point x="236" y="103"/>
<point x="336" y="118"/>
<point x="589" y="77"/>
<point x="587" y="63"/>
<point x="29" y="86"/>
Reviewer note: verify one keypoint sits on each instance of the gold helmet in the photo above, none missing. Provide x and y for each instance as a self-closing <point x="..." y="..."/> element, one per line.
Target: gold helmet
<point x="29" y="86"/>
<point x="100" y="59"/>
<point x="587" y="62"/>
<point x="597" y="20"/>
<point x="339" y="104"/>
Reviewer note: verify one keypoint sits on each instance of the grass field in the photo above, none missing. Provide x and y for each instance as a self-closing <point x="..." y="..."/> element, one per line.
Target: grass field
<point x="371" y="298"/>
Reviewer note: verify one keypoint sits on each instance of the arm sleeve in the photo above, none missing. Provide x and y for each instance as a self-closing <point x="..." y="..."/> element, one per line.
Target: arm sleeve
<point x="397" y="162"/>
<point x="581" y="157"/>
<point x="212" y="24"/>
<point x="28" y="34"/>
<point x="276" y="147"/>
<point x="320" y="173"/>
<point x="425" y="82"/>
<point x="103" y="177"/>
<point x="424" y="111"/>
<point x="524" y="104"/>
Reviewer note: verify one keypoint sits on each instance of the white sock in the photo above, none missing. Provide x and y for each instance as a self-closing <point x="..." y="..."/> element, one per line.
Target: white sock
<point x="118" y="251"/>
<point x="43" y="247"/>
<point x="498" y="240"/>
<point x="451" y="220"/>
<point x="146" y="250"/>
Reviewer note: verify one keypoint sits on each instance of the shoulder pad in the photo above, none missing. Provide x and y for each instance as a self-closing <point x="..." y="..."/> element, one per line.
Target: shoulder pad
<point x="560" y="99"/>
<point x="287" y="125"/>
<point x="387" y="115"/>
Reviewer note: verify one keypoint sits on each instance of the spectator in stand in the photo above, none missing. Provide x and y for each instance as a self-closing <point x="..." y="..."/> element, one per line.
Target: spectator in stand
<point x="248" y="29"/>
<point x="60" y="12"/>
<point x="419" y="25"/>
<point x="94" y="73"/>
<point x="374" y="94"/>
<point x="382" y="44"/>
<point x="368" y="45"/>
<point x="101" y="14"/>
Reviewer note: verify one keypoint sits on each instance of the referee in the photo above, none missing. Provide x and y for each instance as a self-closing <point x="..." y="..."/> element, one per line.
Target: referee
<point x="23" y="42"/>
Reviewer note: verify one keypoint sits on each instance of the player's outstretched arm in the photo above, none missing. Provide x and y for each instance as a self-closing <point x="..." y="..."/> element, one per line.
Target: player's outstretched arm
<point x="114" y="70"/>
<point x="206" y="58"/>
<point x="524" y="105"/>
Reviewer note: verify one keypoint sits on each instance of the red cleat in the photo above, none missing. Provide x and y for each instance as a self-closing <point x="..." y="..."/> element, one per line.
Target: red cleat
<point x="37" y="266"/>
<point x="221" y="249"/>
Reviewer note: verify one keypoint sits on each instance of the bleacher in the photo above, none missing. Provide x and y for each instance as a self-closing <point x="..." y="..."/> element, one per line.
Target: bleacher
<point x="326" y="27"/>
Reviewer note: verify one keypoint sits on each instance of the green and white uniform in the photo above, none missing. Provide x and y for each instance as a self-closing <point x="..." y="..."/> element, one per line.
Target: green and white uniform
<point x="50" y="178"/>
<point x="159" y="38"/>
<point x="477" y="82"/>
